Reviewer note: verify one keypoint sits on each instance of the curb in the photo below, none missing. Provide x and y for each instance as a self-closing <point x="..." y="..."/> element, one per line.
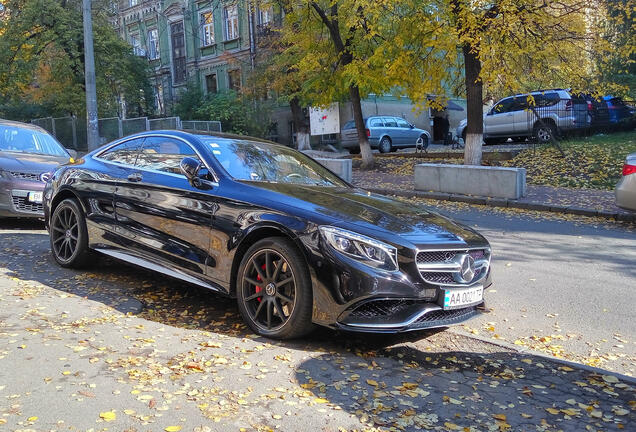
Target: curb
<point x="515" y="348"/>
<point x="510" y="203"/>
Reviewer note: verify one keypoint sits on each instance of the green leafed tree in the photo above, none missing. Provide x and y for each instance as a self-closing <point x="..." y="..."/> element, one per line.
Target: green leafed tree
<point x="42" y="59"/>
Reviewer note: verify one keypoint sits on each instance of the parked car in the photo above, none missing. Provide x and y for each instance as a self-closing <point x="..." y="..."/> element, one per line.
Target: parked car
<point x="626" y="187"/>
<point x="618" y="110"/>
<point x="295" y="244"/>
<point x="597" y="111"/>
<point x="385" y="133"/>
<point x="28" y="156"/>
<point x="557" y="111"/>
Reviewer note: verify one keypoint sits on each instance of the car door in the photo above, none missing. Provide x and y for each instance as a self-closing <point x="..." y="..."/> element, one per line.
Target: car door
<point x="392" y="130"/>
<point x="165" y="219"/>
<point x="408" y="134"/>
<point x="520" y="124"/>
<point x="499" y="119"/>
<point x="376" y="130"/>
<point x="96" y="187"/>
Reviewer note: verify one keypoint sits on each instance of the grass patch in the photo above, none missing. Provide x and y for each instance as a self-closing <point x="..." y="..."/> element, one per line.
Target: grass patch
<point x="593" y="162"/>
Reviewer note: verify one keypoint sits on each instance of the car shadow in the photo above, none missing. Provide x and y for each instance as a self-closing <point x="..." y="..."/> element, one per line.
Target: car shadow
<point x="406" y="388"/>
<point x="153" y="296"/>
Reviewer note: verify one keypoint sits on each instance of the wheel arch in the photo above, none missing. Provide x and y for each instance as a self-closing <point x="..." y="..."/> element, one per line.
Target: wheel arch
<point x="255" y="234"/>
<point x="63" y="194"/>
<point x="546" y="120"/>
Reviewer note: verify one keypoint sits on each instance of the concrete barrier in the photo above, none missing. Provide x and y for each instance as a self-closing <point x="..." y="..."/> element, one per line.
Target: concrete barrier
<point x="471" y="180"/>
<point x="342" y="167"/>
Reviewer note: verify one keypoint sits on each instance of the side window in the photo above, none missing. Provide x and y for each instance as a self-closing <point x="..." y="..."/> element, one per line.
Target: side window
<point x="164" y="154"/>
<point x="124" y="153"/>
<point x="403" y="124"/>
<point x="503" y="106"/>
<point x="519" y="104"/>
<point x="376" y="122"/>
<point x="390" y="122"/>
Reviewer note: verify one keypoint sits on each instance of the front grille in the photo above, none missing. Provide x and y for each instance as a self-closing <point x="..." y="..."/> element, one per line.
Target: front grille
<point x="438" y="278"/>
<point x="435" y="256"/>
<point x="380" y="308"/>
<point x="21" y="204"/>
<point x="443" y="267"/>
<point x="25" y="175"/>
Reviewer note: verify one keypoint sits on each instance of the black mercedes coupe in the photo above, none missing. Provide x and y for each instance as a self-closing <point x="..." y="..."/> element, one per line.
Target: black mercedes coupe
<point x="296" y="245"/>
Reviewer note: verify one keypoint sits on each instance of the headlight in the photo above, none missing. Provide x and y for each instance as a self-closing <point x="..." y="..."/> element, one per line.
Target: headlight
<point x="371" y="252"/>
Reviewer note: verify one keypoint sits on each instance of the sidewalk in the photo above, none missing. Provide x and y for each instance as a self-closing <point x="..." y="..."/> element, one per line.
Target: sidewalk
<point x="586" y="202"/>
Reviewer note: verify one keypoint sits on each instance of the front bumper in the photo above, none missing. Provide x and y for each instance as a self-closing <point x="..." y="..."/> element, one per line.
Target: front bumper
<point x="13" y="198"/>
<point x="397" y="316"/>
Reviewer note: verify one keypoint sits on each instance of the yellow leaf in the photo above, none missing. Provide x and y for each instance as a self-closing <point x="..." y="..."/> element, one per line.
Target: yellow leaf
<point x="321" y="400"/>
<point x="552" y="411"/>
<point x="173" y="429"/>
<point x="501" y="417"/>
<point x="129" y="412"/>
<point x="108" y="416"/>
<point x="373" y="383"/>
<point x="32" y="419"/>
<point x="451" y="426"/>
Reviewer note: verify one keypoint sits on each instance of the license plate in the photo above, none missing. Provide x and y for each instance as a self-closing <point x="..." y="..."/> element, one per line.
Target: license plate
<point x="35" y="197"/>
<point x="459" y="297"/>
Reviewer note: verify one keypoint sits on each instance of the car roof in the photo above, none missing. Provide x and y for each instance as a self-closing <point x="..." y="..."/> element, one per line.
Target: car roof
<point x="195" y="133"/>
<point x="31" y="126"/>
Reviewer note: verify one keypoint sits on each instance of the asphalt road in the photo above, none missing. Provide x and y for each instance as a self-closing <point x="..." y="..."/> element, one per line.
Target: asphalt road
<point x="560" y="286"/>
<point x="116" y="348"/>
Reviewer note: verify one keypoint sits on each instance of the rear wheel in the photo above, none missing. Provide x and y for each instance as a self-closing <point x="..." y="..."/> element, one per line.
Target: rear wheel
<point x="69" y="237"/>
<point x="544" y="132"/>
<point x="274" y="289"/>
<point x="424" y="141"/>
<point x="385" y="145"/>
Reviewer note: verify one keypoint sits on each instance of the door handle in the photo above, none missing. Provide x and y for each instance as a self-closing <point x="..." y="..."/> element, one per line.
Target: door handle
<point x="135" y="177"/>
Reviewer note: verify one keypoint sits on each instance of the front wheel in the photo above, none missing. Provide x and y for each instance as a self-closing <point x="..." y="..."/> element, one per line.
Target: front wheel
<point x="69" y="237"/>
<point x="273" y="289"/>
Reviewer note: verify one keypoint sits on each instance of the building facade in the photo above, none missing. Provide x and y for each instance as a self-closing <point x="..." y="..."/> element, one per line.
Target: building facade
<point x="209" y="43"/>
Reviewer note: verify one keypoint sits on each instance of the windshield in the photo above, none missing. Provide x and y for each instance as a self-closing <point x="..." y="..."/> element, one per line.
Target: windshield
<point x="23" y="140"/>
<point x="256" y="161"/>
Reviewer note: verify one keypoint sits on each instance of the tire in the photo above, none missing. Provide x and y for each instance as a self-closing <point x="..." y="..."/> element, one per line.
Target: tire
<point x="354" y="150"/>
<point x="544" y="132"/>
<point x="282" y="308"/>
<point x="68" y="235"/>
<point x="464" y="136"/>
<point x="425" y="142"/>
<point x="385" y="145"/>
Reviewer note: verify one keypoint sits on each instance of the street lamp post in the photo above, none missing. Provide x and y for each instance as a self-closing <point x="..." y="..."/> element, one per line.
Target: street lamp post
<point x="89" y="77"/>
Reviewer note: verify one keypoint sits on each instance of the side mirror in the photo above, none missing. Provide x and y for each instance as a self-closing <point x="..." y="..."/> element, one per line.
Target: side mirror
<point x="72" y="152"/>
<point x="190" y="168"/>
<point x="411" y="126"/>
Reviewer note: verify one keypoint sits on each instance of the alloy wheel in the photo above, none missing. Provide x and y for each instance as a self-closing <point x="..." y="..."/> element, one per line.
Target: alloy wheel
<point x="65" y="234"/>
<point x="544" y="134"/>
<point x="269" y="289"/>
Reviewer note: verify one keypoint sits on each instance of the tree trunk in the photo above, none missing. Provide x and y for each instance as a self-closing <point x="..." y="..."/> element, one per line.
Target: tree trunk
<point x="474" y="107"/>
<point x="301" y="125"/>
<point x="365" y="148"/>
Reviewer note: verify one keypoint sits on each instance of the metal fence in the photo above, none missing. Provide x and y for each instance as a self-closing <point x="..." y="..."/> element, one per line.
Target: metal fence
<point x="71" y="131"/>
<point x="210" y="126"/>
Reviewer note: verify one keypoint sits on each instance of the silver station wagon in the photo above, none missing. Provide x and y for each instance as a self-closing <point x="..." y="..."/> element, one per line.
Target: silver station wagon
<point x="385" y="133"/>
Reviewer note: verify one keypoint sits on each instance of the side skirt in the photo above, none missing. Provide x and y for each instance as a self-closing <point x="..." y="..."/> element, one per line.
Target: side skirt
<point x="141" y="262"/>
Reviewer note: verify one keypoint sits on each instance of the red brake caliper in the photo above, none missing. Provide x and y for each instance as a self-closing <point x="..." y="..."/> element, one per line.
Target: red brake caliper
<point x="258" y="278"/>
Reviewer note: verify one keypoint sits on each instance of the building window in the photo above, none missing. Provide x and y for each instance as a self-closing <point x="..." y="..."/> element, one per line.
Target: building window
<point x="132" y="3"/>
<point x="178" y="51"/>
<point x="230" y="17"/>
<point x="234" y="79"/>
<point x="207" y="28"/>
<point x="210" y="83"/>
<point x="153" y="44"/>
<point x="159" y="98"/>
<point x="136" y="44"/>
<point x="265" y="17"/>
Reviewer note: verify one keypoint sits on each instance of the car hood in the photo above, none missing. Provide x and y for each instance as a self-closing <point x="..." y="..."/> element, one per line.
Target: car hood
<point x="372" y="214"/>
<point x="29" y="162"/>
